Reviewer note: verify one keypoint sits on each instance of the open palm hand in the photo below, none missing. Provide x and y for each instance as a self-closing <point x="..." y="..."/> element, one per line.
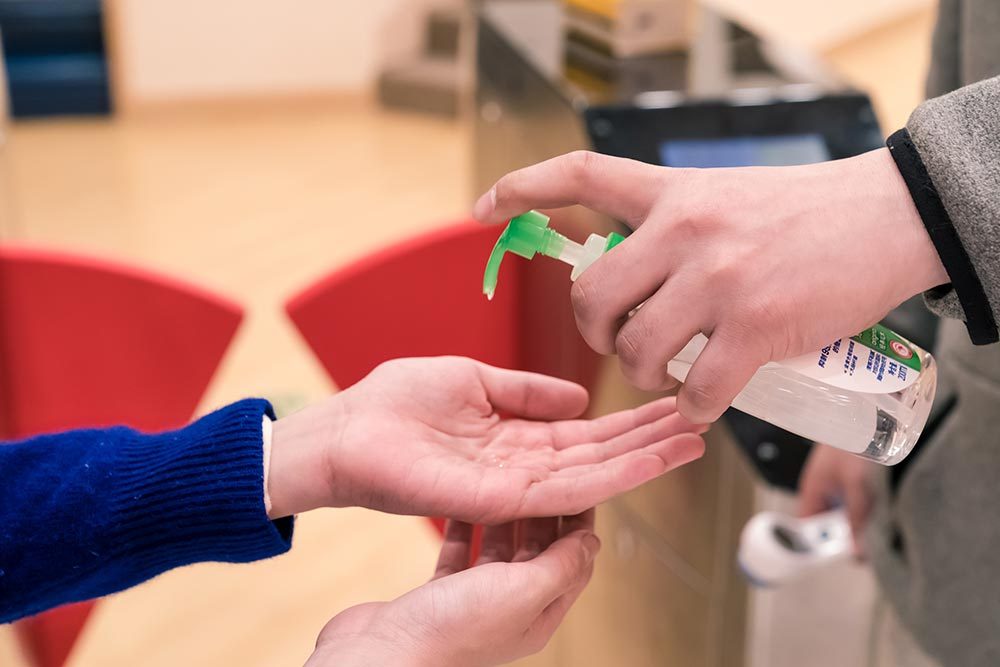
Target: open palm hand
<point x="453" y="437"/>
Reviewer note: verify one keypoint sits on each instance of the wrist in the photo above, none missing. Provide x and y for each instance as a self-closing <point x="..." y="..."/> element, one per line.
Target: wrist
<point x="925" y="268"/>
<point x="303" y="447"/>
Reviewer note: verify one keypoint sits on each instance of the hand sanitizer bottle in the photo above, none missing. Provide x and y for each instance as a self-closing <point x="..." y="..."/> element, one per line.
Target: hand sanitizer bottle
<point x="869" y="394"/>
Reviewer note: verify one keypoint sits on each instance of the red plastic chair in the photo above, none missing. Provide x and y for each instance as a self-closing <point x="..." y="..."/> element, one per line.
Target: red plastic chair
<point x="423" y="297"/>
<point x="88" y="343"/>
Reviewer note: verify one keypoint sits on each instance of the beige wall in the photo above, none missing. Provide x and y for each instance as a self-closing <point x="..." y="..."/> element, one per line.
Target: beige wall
<point x="178" y="50"/>
<point x="890" y="62"/>
<point x="880" y="46"/>
<point x="817" y="26"/>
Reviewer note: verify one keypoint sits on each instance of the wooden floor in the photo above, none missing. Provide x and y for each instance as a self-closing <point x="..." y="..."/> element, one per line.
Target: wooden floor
<point x="253" y="204"/>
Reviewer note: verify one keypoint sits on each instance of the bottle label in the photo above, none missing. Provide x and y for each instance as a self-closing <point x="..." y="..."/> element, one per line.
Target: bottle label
<point x="876" y="361"/>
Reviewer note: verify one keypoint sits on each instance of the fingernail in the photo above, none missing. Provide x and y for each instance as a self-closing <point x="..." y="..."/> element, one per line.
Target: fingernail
<point x="485" y="205"/>
<point x="591" y="545"/>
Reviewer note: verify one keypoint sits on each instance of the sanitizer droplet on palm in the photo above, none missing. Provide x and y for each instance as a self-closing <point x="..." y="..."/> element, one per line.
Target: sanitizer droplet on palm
<point x="869" y="394"/>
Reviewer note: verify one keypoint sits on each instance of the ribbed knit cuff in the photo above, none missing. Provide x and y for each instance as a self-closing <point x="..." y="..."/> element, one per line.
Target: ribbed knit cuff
<point x="195" y="495"/>
<point x="91" y="512"/>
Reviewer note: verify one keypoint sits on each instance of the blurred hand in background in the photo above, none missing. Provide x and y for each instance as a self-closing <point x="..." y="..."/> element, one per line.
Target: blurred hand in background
<point x="505" y="607"/>
<point x="832" y="478"/>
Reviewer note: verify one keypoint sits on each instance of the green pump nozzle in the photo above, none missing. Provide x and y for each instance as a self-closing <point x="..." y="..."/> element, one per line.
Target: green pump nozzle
<point x="529" y="233"/>
<point x="525" y="235"/>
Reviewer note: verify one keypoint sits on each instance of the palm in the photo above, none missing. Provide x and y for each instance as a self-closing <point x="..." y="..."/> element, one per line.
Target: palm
<point x="431" y="432"/>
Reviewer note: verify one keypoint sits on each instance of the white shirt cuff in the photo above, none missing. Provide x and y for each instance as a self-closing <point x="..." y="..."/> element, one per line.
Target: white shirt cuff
<point x="265" y="430"/>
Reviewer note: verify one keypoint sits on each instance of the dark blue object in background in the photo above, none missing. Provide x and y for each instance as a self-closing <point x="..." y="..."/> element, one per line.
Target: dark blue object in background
<point x="766" y="151"/>
<point x="55" y="57"/>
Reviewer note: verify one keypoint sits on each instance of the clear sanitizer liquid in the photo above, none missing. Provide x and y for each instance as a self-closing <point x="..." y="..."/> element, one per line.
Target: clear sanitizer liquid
<point x="869" y="394"/>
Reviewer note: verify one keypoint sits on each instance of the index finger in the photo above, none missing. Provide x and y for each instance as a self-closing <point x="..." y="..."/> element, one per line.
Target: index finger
<point x="623" y="189"/>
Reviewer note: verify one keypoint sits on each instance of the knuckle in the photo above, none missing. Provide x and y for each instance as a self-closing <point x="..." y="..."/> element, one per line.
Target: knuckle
<point x="747" y="333"/>
<point x="637" y="355"/>
<point x="582" y="164"/>
<point x="629" y="346"/>
<point x="501" y="192"/>
<point x="702" y="395"/>
<point x="724" y="273"/>
<point x="759" y="310"/>
<point x="694" y="222"/>
<point x="584" y="297"/>
<point x="757" y="332"/>
<point x="685" y="227"/>
<point x="736" y="335"/>
<point x="699" y="216"/>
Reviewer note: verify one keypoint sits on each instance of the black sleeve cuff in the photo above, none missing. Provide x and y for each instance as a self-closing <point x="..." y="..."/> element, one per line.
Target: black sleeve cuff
<point x="968" y="288"/>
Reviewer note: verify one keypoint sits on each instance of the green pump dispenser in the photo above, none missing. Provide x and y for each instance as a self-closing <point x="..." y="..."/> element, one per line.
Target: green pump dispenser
<point x="529" y="233"/>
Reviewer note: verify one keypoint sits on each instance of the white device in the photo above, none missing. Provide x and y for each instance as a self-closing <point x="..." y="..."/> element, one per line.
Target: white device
<point x="777" y="548"/>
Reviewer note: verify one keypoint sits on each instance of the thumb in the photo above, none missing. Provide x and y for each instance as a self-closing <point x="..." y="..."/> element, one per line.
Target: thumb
<point x="562" y="566"/>
<point x="531" y="395"/>
<point x="552" y="616"/>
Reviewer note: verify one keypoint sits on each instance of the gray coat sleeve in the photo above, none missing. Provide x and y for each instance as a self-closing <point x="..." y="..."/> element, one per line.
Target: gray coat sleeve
<point x="957" y="137"/>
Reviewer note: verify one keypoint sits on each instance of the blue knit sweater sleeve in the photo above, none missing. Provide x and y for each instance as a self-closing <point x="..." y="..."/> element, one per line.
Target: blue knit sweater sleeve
<point x="87" y="513"/>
